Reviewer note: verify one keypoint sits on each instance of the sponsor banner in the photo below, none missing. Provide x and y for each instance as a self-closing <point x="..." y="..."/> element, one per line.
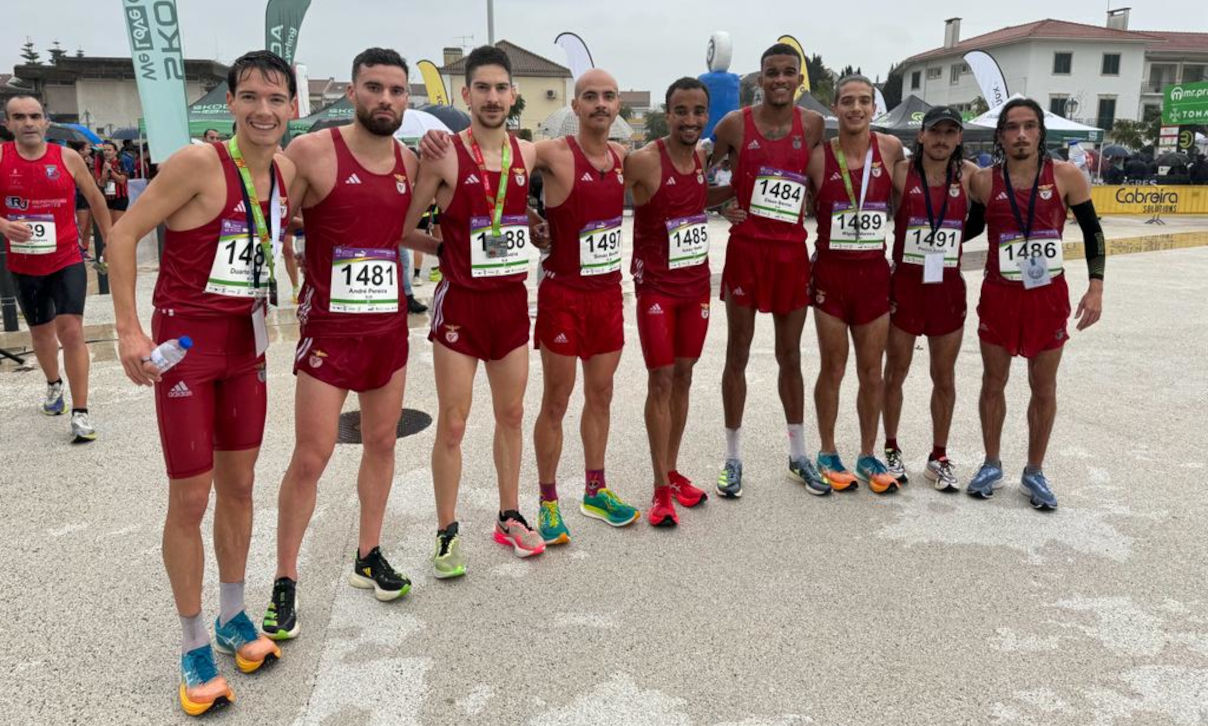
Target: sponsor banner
<point x="805" y="81"/>
<point x="153" y="28"/>
<point x="1177" y="199"/>
<point x="989" y="77"/>
<point x="282" y="23"/>
<point x="1185" y="103"/>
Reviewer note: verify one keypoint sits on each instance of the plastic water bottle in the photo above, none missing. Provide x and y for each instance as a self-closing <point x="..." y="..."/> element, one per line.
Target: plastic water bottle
<point x="170" y="352"/>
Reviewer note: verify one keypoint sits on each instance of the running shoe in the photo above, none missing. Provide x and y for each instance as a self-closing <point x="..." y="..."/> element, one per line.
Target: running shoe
<point x="803" y="472"/>
<point x="373" y="572"/>
<point x="984" y="482"/>
<point x="894" y="465"/>
<point x="1036" y="489"/>
<point x="415" y="307"/>
<point x="662" y="508"/>
<point x="201" y="688"/>
<point x="53" y="405"/>
<point x="417" y="280"/>
<point x="729" y="481"/>
<point x="608" y="507"/>
<point x="832" y="471"/>
<point x="942" y="475"/>
<point x="434" y="275"/>
<point x="447" y="560"/>
<point x="81" y="428"/>
<point x="281" y="618"/>
<point x="514" y="532"/>
<point x="871" y="470"/>
<point x="241" y="639"/>
<point x="683" y="491"/>
<point x="550" y="523"/>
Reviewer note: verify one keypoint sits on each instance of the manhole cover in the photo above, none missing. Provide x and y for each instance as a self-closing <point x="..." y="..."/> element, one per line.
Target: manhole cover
<point x="410" y="421"/>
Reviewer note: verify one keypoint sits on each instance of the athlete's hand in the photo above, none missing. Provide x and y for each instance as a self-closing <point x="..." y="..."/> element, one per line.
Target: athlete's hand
<point x="734" y="213"/>
<point x="540" y="235"/>
<point x="134" y="349"/>
<point x="434" y="145"/>
<point x="17" y="231"/>
<point x="1091" y="305"/>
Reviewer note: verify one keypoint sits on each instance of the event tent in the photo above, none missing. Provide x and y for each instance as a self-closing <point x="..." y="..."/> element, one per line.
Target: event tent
<point x="1057" y="128"/>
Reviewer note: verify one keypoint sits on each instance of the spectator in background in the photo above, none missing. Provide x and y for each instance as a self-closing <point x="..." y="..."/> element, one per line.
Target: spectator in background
<point x="1136" y="169"/>
<point x="211" y="135"/>
<point x="1114" y="173"/>
<point x="1198" y="173"/>
<point x="722" y="176"/>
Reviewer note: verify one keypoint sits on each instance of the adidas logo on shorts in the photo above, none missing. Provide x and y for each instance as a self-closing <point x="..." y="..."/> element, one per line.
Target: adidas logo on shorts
<point x="353" y="179"/>
<point x="561" y="339"/>
<point x="586" y="177"/>
<point x="180" y="390"/>
<point x="655" y="309"/>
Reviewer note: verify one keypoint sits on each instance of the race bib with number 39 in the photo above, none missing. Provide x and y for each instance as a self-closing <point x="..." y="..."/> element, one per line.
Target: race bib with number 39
<point x="44" y="239"/>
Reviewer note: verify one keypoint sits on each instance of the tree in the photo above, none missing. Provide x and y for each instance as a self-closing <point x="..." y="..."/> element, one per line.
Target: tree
<point x="626" y="111"/>
<point x="1128" y="133"/>
<point x="517" y="109"/>
<point x="892" y="90"/>
<point x="29" y="55"/>
<point x="656" y="123"/>
<point x="979" y="106"/>
<point x="57" y="53"/>
<point x="849" y="71"/>
<point x="822" y="80"/>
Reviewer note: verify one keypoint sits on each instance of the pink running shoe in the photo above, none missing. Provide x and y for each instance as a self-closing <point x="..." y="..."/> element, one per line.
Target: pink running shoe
<point x="514" y="532"/>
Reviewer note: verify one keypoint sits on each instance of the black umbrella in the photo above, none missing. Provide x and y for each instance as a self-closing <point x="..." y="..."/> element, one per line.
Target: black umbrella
<point x="1115" y="150"/>
<point x="455" y="119"/>
<point x="130" y="133"/>
<point x="1173" y="158"/>
<point x="60" y="132"/>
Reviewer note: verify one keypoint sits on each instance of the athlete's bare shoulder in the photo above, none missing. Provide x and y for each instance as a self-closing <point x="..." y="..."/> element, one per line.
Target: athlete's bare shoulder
<point x="308" y="147"/>
<point x="641" y="161"/>
<point x="901" y="171"/>
<point x="286" y="166"/>
<point x="194" y="158"/>
<point x="891" y="147"/>
<point x="730" y="126"/>
<point x="528" y="150"/>
<point x="980" y="184"/>
<point x="814" y="125"/>
<point x="619" y="149"/>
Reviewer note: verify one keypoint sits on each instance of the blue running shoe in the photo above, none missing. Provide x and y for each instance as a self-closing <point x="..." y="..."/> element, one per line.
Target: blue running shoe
<point x="241" y="639"/>
<point x="874" y="473"/>
<point x="802" y="471"/>
<point x="729" y="481"/>
<point x="201" y="688"/>
<point x="1036" y="489"/>
<point x="985" y="481"/>
<point x="53" y="403"/>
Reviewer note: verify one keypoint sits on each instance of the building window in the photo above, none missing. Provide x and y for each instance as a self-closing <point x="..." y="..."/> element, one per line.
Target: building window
<point x="958" y="70"/>
<point x="1107" y="113"/>
<point x="915" y="80"/>
<point x="1062" y="62"/>
<point x="934" y="73"/>
<point x="1111" y="64"/>
<point x="1057" y="104"/>
<point x="1160" y="76"/>
<point x="1194" y="73"/>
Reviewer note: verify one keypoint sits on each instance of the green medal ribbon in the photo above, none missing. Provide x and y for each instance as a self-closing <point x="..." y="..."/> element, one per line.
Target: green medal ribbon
<point x="501" y="191"/>
<point x="256" y="223"/>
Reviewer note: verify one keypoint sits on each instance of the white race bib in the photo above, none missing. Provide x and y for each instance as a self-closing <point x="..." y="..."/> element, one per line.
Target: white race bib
<point x="920" y="242"/>
<point x="777" y="194"/>
<point x="364" y="281"/>
<point x="111" y="188"/>
<point x="859" y="230"/>
<point x="1014" y="251"/>
<point x="600" y="247"/>
<point x="238" y="260"/>
<point x="687" y="241"/>
<point x="494" y="255"/>
<point x="44" y="239"/>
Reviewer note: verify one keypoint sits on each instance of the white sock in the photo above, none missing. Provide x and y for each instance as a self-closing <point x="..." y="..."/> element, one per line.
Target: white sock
<point x="193" y="633"/>
<point x="733" y="443"/>
<point x="230" y="600"/>
<point x="796" y="440"/>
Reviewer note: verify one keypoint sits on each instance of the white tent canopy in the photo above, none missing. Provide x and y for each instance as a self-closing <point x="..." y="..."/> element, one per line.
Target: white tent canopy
<point x="416" y="123"/>
<point x="564" y="122"/>
<point x="1057" y="126"/>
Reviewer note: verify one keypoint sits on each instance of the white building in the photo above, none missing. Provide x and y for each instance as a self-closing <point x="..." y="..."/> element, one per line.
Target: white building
<point x="1088" y="73"/>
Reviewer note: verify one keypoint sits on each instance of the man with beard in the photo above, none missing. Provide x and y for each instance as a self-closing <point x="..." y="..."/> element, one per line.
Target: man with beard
<point x="1025" y="302"/>
<point x="354" y="185"/>
<point x="671" y="277"/>
<point x="480" y="308"/>
<point x="767" y="263"/>
<point x="849" y="284"/>
<point x="927" y="293"/>
<point x="224" y="206"/>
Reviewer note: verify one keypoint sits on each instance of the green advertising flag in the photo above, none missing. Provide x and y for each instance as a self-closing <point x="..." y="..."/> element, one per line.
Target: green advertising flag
<point x="282" y="23"/>
<point x="1185" y="104"/>
<point x="159" y="67"/>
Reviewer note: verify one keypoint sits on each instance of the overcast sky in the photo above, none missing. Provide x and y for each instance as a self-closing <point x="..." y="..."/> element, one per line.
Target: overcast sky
<point x="645" y="43"/>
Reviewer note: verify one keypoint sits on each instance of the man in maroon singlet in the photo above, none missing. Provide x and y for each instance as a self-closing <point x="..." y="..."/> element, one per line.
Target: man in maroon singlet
<point x="927" y="292"/>
<point x="480" y="308"/>
<point x="1025" y="302"/>
<point x="671" y="277"/>
<point x="38" y="183"/>
<point x="354" y="186"/>
<point x="849" y="285"/>
<point x="224" y="206"/>
<point x="767" y="264"/>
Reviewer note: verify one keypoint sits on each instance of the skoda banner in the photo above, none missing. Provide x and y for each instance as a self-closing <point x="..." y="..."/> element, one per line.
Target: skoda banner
<point x="282" y="23"/>
<point x="159" y="67"/>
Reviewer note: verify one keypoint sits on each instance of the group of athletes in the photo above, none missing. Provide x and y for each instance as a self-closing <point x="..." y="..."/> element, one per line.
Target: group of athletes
<point x="362" y="195"/>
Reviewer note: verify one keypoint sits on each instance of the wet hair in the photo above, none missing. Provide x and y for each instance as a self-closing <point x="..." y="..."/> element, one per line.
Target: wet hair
<point x="486" y="55"/>
<point x="852" y="78"/>
<point x="1000" y="154"/>
<point x="378" y="57"/>
<point x="779" y="49"/>
<point x="267" y="63"/>
<point x="687" y="83"/>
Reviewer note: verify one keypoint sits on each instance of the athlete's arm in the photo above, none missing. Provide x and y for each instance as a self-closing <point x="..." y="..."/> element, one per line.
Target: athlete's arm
<point x="901" y="171"/>
<point x="301" y="152"/>
<point x="642" y="169"/>
<point x="1077" y="192"/>
<point x="975" y="218"/>
<point x="432" y="174"/>
<point x="891" y="149"/>
<point x="727" y="137"/>
<point x="435" y="144"/>
<point x="980" y="184"/>
<point x="815" y="129"/>
<point x="84" y="182"/>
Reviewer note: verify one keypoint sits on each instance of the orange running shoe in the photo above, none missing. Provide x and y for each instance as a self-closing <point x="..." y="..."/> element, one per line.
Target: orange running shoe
<point x="834" y="473"/>
<point x="201" y="688"/>
<point x="241" y="639"/>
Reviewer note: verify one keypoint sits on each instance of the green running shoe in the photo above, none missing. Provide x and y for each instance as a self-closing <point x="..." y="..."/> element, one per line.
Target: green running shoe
<point x="447" y="560"/>
<point x="550" y="523"/>
<point x="607" y="507"/>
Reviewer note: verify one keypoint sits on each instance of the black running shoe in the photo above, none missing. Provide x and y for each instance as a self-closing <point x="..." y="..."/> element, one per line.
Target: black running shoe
<point x="281" y="617"/>
<point x="415" y="307"/>
<point x="373" y="572"/>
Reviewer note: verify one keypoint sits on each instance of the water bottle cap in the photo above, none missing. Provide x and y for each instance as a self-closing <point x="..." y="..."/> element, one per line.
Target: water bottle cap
<point x="185" y="342"/>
